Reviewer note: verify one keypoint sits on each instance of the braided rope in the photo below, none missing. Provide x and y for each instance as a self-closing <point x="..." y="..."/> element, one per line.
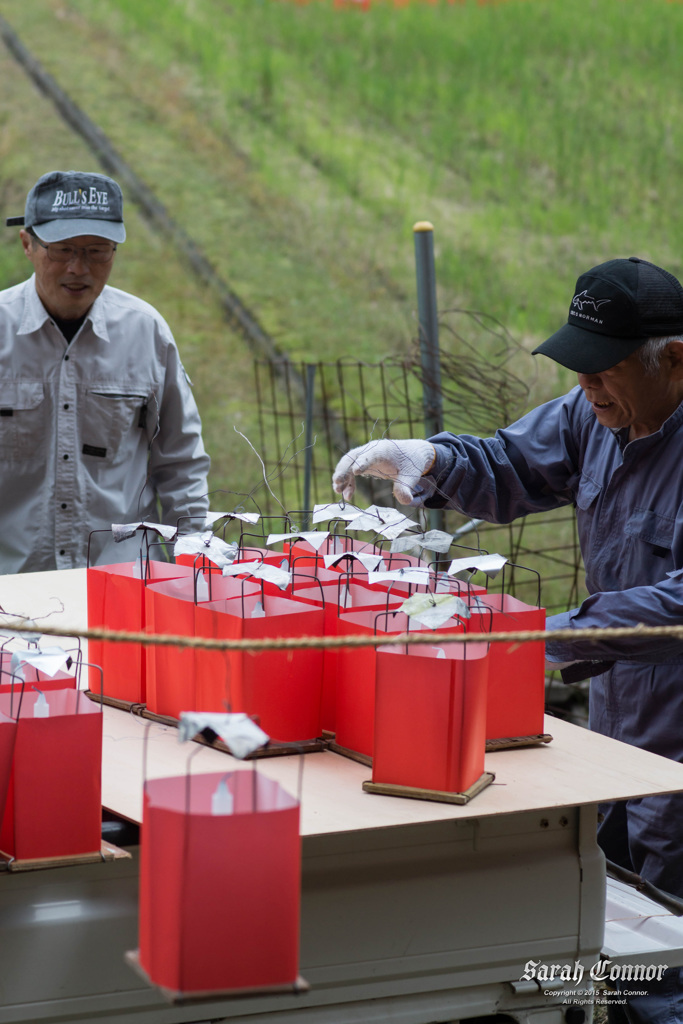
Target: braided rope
<point x="323" y="642"/>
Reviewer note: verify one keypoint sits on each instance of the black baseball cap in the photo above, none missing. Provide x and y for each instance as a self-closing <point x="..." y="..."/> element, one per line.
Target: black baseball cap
<point x="617" y="306"/>
<point x="64" y="204"/>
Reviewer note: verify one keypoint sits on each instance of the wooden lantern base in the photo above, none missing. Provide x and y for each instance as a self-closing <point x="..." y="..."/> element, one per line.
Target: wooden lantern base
<point x="182" y="998"/>
<point x="439" y="796"/>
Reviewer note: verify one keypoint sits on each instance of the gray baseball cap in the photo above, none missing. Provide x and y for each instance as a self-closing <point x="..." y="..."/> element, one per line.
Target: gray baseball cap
<point x="64" y="204"/>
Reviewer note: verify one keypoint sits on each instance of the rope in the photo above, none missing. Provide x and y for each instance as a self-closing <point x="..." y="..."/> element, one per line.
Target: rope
<point x="323" y="642"/>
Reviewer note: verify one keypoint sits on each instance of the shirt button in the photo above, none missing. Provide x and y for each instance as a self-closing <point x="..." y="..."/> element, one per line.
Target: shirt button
<point x="65" y="358"/>
<point x="66" y="405"/>
<point x="63" y="504"/>
<point x="65" y="457"/>
<point x="62" y="551"/>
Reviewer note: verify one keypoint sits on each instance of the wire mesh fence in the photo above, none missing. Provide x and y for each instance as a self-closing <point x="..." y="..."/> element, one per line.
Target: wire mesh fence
<point x="348" y="403"/>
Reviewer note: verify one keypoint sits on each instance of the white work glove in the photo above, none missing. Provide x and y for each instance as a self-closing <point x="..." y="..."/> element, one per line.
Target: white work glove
<point x="404" y="462"/>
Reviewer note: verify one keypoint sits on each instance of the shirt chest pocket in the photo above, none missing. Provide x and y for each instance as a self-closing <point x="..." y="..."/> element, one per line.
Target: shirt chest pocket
<point x="653" y="529"/>
<point x="23" y="426"/>
<point x="113" y="416"/>
<point x="586" y="494"/>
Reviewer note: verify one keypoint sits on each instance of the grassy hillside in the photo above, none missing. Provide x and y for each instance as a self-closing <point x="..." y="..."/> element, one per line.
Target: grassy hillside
<point x="298" y="144"/>
<point x="538" y="137"/>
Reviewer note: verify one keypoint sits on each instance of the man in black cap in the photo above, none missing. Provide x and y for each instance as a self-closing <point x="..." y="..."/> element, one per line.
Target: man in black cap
<point x="98" y="424"/>
<point x="611" y="447"/>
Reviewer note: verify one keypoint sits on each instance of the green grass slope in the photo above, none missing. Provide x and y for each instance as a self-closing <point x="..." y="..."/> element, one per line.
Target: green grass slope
<point x="298" y="144"/>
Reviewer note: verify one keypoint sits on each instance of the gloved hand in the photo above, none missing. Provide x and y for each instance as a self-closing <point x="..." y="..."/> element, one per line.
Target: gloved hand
<point x="404" y="462"/>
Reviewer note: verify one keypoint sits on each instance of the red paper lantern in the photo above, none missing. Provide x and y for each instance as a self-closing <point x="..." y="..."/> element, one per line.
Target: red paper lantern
<point x="8" y="733"/>
<point x="54" y="805"/>
<point x="430" y="716"/>
<point x="516" y="690"/>
<point x="219" y="892"/>
<point x="339" y="598"/>
<point x="282" y="689"/>
<point x="116" y="600"/>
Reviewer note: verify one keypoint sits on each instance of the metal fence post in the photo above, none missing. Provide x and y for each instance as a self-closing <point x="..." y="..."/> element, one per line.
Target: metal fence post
<point x="308" y="463"/>
<point x="428" y="322"/>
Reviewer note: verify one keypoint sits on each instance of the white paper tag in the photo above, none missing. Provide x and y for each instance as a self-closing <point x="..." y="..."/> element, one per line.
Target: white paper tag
<point x="338" y="510"/>
<point x="206" y="544"/>
<point x="122" y="531"/>
<point x="260" y="570"/>
<point x="489" y="564"/>
<point x="49" y="660"/>
<point x="316" y="538"/>
<point x="416" y="543"/>
<point x="384" y="520"/>
<point x="433" y="610"/>
<point x="241" y="734"/>
<point x="245" y="517"/>
<point x="412" y="574"/>
<point x="373" y="563"/>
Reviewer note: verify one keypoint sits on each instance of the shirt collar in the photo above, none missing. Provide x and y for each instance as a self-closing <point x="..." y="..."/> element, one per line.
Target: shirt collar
<point x="669" y="426"/>
<point x="674" y="420"/>
<point x="621" y="435"/>
<point x="35" y="314"/>
<point x="97" y="317"/>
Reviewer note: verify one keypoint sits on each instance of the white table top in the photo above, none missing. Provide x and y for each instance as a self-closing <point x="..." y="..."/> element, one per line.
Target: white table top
<point x="53" y="598"/>
<point x="577" y="767"/>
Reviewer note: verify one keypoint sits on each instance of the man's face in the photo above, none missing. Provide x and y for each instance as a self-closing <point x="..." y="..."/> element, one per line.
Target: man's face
<point x="627" y="396"/>
<point x="67" y="290"/>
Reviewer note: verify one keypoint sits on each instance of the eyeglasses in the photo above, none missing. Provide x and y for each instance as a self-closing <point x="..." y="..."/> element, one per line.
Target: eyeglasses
<point x="58" y="253"/>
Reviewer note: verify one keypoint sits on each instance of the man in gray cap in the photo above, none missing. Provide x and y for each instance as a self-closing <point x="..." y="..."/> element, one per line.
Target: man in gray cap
<point x="98" y="424"/>
<point x="611" y="447"/>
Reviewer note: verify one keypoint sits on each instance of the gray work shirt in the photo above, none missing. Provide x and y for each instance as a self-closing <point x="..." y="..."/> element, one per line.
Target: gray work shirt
<point x="103" y="430"/>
